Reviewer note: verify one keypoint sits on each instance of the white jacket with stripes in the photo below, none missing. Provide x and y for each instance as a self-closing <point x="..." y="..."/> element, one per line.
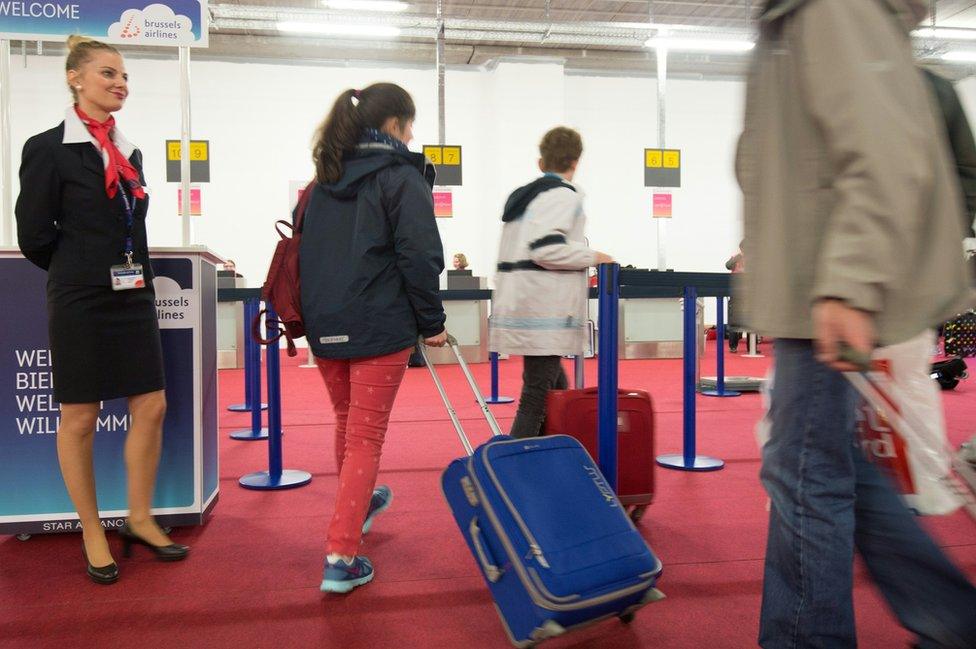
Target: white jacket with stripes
<point x="540" y="297"/>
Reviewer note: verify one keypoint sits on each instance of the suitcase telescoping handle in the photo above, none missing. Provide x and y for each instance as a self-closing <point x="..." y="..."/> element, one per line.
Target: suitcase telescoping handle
<point x="453" y="344"/>
<point x="874" y="393"/>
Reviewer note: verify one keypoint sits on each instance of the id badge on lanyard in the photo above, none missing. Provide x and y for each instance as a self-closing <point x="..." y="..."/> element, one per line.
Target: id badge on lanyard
<point x="127" y="276"/>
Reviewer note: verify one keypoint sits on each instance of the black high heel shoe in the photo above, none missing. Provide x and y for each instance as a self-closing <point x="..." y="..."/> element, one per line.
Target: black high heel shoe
<point x="171" y="552"/>
<point x="105" y="574"/>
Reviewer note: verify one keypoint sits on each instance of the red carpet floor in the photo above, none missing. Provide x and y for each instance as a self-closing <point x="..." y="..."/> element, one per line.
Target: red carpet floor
<point x="252" y="580"/>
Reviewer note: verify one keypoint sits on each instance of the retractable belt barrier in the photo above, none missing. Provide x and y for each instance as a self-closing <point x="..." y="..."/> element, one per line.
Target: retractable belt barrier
<point x="252" y="378"/>
<point x="275" y="477"/>
<point x="250" y="310"/>
<point x="720" y="390"/>
<point x="614" y="284"/>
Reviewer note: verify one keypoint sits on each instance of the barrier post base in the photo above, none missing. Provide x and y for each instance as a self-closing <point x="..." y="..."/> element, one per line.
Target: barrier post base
<point x="494" y="400"/>
<point x="716" y="393"/>
<point x="263" y="481"/>
<point x="248" y="435"/>
<point x="701" y="463"/>
<point x="244" y="407"/>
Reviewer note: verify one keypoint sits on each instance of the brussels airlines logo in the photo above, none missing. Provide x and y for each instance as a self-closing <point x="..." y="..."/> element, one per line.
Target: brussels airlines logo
<point x="155" y="24"/>
<point x="130" y="30"/>
<point x="176" y="308"/>
<point x="601" y="485"/>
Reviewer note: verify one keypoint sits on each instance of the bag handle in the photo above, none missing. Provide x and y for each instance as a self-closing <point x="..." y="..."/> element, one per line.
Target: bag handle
<point x="270" y="325"/>
<point x="286" y="224"/>
<point x="492" y="572"/>
<point x="453" y="344"/>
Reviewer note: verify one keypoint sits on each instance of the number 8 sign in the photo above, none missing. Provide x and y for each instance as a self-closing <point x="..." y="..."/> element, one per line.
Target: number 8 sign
<point x="448" y="162"/>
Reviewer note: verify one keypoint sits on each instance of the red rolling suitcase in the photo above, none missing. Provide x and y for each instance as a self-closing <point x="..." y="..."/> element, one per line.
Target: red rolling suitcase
<point x="574" y="413"/>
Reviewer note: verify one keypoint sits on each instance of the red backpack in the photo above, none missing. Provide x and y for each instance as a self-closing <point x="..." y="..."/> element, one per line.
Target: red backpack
<point x="282" y="288"/>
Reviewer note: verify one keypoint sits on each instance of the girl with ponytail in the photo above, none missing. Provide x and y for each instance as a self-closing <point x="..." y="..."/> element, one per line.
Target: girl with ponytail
<point x="370" y="259"/>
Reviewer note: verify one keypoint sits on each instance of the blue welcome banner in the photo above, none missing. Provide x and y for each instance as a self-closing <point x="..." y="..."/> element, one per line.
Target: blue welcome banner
<point x="125" y="22"/>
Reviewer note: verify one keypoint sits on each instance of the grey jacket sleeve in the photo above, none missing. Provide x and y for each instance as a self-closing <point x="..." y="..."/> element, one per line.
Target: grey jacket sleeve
<point x="874" y="116"/>
<point x="38" y="204"/>
<point x="547" y="227"/>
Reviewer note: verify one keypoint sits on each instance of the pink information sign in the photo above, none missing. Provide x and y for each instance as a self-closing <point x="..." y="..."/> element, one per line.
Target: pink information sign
<point x="443" y="204"/>
<point x="662" y="206"/>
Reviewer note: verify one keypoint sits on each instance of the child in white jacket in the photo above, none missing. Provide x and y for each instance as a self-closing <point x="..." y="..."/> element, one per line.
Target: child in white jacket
<point x="539" y="303"/>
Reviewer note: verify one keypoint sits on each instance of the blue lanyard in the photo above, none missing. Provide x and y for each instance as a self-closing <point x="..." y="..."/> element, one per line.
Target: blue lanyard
<point x="129" y="206"/>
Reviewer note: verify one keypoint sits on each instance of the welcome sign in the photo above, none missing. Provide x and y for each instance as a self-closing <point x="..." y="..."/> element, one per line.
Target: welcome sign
<point x="171" y="23"/>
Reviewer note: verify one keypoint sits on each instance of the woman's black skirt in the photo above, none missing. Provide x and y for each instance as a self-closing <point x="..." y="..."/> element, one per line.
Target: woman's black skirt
<point x="105" y="344"/>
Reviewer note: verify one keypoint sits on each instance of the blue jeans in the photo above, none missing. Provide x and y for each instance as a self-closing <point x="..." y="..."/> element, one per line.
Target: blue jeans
<point x="827" y="500"/>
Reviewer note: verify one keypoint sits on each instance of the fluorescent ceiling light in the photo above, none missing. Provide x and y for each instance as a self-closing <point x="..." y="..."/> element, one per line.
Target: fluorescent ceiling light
<point x="367" y="5"/>
<point x="960" y="56"/>
<point x="699" y="44"/>
<point x="947" y="34"/>
<point x="339" y="29"/>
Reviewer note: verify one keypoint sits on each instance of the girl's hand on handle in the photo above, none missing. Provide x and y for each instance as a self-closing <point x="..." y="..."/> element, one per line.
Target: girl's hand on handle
<point x="437" y="341"/>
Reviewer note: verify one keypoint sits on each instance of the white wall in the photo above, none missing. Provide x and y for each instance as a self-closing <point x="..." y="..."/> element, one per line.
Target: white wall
<point x="618" y="119"/>
<point x="260" y="118"/>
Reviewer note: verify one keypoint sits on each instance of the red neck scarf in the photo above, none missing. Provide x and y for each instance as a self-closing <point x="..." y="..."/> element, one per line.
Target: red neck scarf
<point x="118" y="169"/>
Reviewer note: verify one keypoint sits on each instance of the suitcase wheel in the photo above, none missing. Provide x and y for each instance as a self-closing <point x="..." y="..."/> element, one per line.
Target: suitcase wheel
<point x="637" y="513"/>
<point x="550" y="629"/>
<point x="627" y="618"/>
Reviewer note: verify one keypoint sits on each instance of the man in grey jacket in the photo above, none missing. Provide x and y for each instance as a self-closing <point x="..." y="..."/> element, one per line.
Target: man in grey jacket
<point x="852" y="231"/>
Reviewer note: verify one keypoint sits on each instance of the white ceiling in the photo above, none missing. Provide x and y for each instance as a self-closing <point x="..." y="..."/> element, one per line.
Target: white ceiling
<point x="713" y="13"/>
<point x="706" y="13"/>
<point x="956" y="13"/>
<point x="256" y="38"/>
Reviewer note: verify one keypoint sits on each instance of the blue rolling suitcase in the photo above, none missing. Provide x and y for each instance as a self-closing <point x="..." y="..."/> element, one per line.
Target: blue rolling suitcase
<point x="552" y="540"/>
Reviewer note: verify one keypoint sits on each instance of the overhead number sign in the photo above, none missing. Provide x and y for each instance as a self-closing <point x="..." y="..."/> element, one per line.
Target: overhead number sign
<point x="199" y="160"/>
<point x="447" y="160"/>
<point x="662" y="168"/>
<point x="173" y="23"/>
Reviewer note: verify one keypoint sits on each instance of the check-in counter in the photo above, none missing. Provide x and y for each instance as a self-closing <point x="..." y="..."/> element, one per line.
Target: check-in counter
<point x="653" y="327"/>
<point x="33" y="499"/>
<point x="467" y="321"/>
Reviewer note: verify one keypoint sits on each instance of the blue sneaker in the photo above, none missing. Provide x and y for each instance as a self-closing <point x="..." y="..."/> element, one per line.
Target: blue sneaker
<point x="341" y="577"/>
<point x="380" y="502"/>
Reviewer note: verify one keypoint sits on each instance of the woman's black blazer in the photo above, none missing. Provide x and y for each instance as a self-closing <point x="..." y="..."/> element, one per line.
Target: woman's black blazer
<point x="66" y="223"/>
